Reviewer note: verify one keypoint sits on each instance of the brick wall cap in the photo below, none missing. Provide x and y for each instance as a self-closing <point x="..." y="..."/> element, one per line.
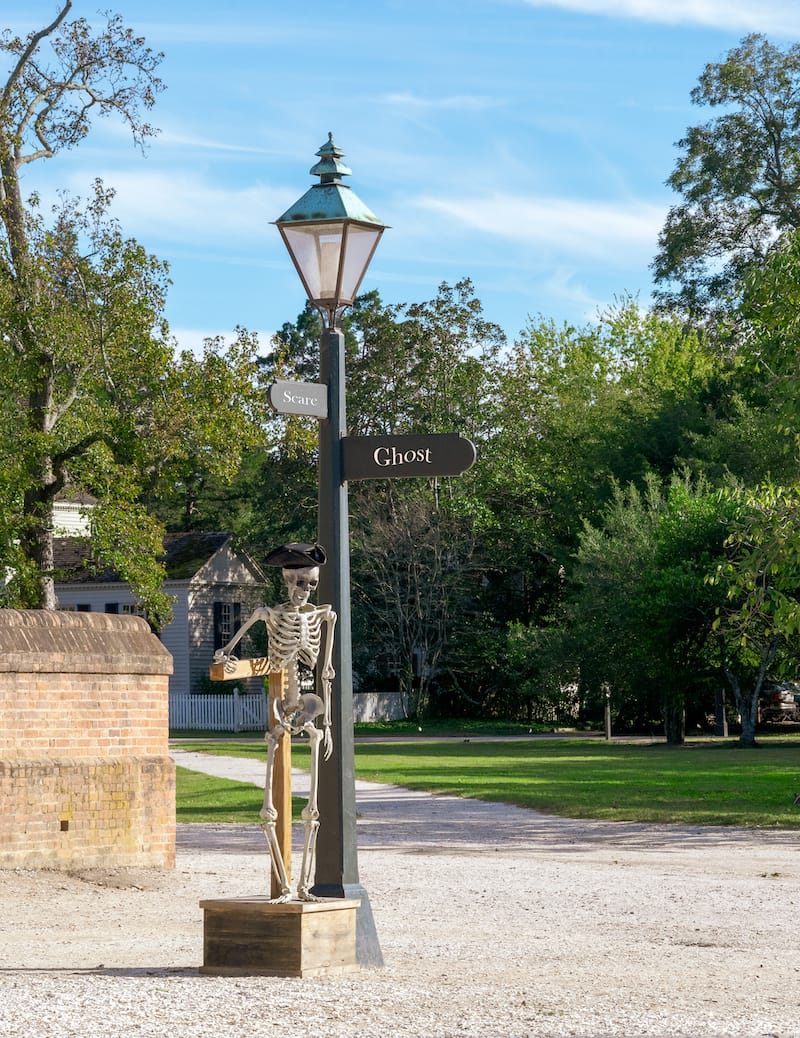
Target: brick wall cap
<point x="55" y="641"/>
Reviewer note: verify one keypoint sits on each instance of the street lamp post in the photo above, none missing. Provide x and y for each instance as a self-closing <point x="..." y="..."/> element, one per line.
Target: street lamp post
<point x="331" y="236"/>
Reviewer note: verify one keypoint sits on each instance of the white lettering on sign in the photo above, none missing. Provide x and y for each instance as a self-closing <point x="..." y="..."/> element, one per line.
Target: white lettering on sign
<point x="389" y="457"/>
<point x="302" y="398"/>
<point x="297" y="398"/>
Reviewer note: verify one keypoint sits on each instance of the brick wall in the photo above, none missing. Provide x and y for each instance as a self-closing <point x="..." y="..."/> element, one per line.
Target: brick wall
<point x="85" y="773"/>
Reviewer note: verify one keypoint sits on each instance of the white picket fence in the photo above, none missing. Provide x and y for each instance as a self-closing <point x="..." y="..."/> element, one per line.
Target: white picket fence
<point x="247" y="711"/>
<point x="238" y="712"/>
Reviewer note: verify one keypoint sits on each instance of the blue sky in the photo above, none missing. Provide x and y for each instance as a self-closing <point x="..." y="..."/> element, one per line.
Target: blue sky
<point x="522" y="143"/>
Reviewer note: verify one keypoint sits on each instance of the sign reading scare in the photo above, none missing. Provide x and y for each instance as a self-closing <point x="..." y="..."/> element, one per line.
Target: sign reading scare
<point x="390" y="457"/>
<point x="301" y="398"/>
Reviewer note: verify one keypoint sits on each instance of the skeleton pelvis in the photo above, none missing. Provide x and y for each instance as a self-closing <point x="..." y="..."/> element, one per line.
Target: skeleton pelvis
<point x="304" y="709"/>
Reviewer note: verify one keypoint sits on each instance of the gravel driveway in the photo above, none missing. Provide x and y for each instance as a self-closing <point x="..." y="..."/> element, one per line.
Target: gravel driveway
<point x="493" y="921"/>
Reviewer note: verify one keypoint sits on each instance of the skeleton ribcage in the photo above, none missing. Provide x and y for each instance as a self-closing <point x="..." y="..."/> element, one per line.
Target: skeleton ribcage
<point x="294" y="636"/>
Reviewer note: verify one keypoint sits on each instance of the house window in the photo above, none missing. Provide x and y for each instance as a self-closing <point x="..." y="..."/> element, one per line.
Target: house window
<point x="83" y="607"/>
<point x="112" y="607"/>
<point x="133" y="609"/>
<point x="227" y="621"/>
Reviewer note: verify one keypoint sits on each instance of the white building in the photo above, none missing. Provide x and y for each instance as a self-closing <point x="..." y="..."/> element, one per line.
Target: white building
<point x="214" y="589"/>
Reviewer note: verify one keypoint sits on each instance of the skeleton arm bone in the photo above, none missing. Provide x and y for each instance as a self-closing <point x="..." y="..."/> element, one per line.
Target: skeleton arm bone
<point x="262" y="613"/>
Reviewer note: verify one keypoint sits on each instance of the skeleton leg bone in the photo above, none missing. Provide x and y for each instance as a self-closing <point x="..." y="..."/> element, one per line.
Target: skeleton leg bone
<point x="269" y="818"/>
<point x="310" y="817"/>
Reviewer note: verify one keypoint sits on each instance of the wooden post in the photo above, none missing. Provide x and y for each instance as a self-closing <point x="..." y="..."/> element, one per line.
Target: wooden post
<point x="720" y="714"/>
<point x="607" y="692"/>
<point x="282" y="765"/>
<point x="255" y="668"/>
<point x="281" y="782"/>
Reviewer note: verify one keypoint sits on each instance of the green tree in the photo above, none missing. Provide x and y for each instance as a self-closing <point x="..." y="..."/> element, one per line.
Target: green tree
<point x="758" y="622"/>
<point x="420" y="368"/>
<point x="578" y="409"/>
<point x="770" y="355"/>
<point x="93" y="399"/>
<point x="641" y="613"/>
<point x="210" y="410"/>
<point x="738" y="176"/>
<point x="46" y="104"/>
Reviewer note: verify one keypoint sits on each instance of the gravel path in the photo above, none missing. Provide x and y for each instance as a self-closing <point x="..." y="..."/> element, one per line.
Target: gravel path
<point x="493" y="921"/>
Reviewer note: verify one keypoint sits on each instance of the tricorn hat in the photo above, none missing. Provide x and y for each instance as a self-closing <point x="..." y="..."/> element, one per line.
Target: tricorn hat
<point x="296" y="556"/>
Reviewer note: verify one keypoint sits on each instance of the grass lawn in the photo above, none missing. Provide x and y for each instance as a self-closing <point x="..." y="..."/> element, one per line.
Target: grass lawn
<point x="202" y="798"/>
<point x="703" y="783"/>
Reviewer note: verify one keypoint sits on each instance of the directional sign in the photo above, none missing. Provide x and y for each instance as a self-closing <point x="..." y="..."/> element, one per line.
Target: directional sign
<point x="390" y="457"/>
<point x="306" y="398"/>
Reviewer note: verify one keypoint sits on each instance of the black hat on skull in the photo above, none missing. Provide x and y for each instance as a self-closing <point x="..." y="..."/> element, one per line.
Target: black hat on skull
<point x="297" y="556"/>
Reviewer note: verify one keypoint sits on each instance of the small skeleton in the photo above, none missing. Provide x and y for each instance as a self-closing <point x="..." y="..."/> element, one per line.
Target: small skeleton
<point x="295" y="636"/>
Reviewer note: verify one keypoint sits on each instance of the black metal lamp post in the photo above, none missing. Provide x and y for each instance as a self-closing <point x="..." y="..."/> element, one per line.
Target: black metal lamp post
<point x="331" y="236"/>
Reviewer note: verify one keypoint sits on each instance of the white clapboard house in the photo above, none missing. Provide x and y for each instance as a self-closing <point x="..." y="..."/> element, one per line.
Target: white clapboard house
<point x="214" y="589"/>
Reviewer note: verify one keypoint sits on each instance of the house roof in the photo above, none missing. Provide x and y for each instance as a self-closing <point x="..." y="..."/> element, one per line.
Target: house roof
<point x="184" y="555"/>
<point x="79" y="497"/>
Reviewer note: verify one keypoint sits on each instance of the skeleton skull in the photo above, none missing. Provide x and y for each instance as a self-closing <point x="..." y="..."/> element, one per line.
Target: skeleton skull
<point x="300" y="583"/>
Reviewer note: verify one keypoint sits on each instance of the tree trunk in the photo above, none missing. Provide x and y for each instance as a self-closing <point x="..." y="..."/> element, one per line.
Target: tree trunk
<point x="674" y="721"/>
<point x="748" y="705"/>
<point x="749" y="714"/>
<point x="39" y="497"/>
<point x="38" y="546"/>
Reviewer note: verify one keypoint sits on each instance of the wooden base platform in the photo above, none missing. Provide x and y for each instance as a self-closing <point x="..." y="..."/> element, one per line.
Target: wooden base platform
<point x="250" y="936"/>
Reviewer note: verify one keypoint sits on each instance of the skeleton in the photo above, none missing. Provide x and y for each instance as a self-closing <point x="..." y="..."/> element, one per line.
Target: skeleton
<point x="295" y="636"/>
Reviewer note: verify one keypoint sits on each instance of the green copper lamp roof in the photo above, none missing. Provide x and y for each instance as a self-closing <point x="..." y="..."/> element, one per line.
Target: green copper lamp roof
<point x="330" y="199"/>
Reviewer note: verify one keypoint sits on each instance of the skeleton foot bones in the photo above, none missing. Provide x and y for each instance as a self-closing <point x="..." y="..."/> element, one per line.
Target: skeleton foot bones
<point x="295" y="635"/>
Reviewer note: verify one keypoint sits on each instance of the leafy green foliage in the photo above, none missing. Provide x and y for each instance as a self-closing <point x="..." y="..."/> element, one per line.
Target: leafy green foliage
<point x="94" y="402"/>
<point x="739" y="176"/>
<point x="762" y="571"/>
<point x="640" y="612"/>
<point x="761" y="578"/>
<point x="580" y="409"/>
<point x="466" y="594"/>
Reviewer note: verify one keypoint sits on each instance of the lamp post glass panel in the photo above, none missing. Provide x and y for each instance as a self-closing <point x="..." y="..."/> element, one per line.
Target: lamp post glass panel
<point x="331" y="236"/>
<point x="331" y="260"/>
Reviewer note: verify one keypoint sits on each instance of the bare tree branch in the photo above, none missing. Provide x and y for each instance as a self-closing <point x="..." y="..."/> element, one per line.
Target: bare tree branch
<point x="29" y="51"/>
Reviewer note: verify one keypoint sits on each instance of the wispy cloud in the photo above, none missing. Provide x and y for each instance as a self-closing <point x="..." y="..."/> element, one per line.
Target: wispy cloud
<point x="181" y="207"/>
<point x="167" y="137"/>
<point x="768" y="16"/>
<point x="602" y="230"/>
<point x="563" y="284"/>
<point x="456" y="102"/>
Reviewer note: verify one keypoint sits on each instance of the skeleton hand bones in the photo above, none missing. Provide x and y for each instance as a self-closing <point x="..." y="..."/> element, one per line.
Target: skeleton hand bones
<point x="228" y="660"/>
